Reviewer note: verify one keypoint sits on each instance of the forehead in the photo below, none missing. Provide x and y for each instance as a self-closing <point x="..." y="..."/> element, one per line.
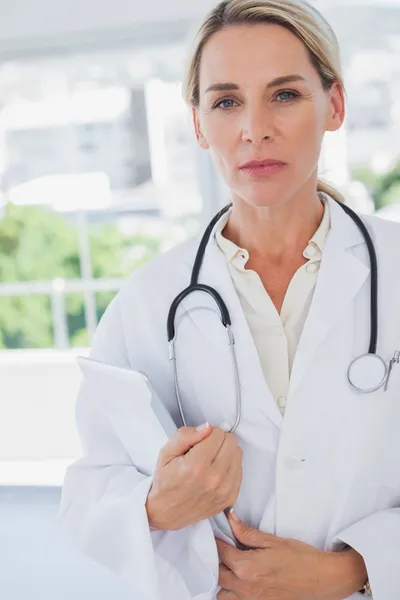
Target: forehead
<point x="239" y="53"/>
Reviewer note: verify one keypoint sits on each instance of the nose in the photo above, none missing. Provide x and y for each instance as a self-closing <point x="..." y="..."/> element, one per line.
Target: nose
<point x="256" y="125"/>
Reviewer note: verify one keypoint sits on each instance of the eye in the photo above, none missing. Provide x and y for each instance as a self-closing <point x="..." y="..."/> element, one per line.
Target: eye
<point x="220" y="103"/>
<point x="287" y="95"/>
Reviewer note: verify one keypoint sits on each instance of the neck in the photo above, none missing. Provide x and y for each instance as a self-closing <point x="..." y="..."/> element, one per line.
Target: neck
<point x="275" y="233"/>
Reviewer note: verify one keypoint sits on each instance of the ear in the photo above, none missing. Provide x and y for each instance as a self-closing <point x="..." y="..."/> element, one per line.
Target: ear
<point x="197" y="127"/>
<point x="336" y="108"/>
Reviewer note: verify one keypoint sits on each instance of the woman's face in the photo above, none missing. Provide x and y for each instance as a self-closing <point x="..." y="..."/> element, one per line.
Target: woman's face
<point x="245" y="113"/>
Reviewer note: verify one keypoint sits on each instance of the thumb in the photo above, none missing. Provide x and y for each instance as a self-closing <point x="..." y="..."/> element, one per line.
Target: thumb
<point x="184" y="440"/>
<point x="249" y="536"/>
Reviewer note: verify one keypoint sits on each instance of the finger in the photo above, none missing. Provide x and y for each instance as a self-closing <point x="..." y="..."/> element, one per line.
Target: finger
<point x="226" y="595"/>
<point x="209" y="447"/>
<point x="251" y="537"/>
<point x="226" y="579"/>
<point x="229" y="473"/>
<point x="229" y="555"/>
<point x="227" y="468"/>
<point x="184" y="439"/>
<point x="221" y="545"/>
<point x="232" y="478"/>
<point x="228" y="451"/>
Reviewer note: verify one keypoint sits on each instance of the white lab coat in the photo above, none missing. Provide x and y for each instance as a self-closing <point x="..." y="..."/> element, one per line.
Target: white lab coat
<point x="327" y="473"/>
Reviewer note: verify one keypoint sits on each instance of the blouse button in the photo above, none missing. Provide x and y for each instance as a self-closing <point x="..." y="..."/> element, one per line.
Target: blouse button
<point x="282" y="401"/>
<point x="312" y="267"/>
<point x="310" y="251"/>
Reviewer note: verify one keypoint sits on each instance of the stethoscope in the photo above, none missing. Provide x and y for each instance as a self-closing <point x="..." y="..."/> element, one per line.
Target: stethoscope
<point x="366" y="373"/>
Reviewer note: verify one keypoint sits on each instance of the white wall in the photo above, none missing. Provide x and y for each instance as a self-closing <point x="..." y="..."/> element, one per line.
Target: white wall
<point x="38" y="391"/>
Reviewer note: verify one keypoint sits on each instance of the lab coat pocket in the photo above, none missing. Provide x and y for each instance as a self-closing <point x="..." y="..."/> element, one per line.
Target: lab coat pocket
<point x="355" y="501"/>
<point x="370" y="447"/>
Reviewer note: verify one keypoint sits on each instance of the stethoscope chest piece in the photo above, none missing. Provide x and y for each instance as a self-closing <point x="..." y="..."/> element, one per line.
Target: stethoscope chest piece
<point x="367" y="373"/>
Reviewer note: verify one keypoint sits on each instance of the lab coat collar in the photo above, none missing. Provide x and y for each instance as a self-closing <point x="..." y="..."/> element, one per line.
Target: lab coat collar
<point x="342" y="274"/>
<point x="342" y="225"/>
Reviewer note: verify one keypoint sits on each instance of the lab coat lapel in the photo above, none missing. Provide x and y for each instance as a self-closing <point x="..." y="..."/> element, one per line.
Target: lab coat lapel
<point x="340" y="278"/>
<point x="255" y="391"/>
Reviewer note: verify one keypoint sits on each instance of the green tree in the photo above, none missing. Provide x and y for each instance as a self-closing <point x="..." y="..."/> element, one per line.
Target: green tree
<point x="384" y="188"/>
<point x="391" y="195"/>
<point x="37" y="245"/>
<point x="367" y="176"/>
<point x="388" y="187"/>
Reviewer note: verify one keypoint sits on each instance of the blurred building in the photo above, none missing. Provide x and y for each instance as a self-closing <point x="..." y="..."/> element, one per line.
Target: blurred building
<point x="97" y="131"/>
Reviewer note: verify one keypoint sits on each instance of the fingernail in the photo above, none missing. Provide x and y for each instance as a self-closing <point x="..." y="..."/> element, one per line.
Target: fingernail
<point x="234" y="516"/>
<point x="203" y="427"/>
<point x="225" y="426"/>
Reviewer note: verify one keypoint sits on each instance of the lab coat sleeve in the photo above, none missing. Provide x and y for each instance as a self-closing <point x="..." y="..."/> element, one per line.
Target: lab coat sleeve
<point x="377" y="539"/>
<point x="103" y="504"/>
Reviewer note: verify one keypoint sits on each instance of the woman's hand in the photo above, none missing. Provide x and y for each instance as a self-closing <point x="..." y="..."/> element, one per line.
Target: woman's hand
<point x="285" y="569"/>
<point x="198" y="475"/>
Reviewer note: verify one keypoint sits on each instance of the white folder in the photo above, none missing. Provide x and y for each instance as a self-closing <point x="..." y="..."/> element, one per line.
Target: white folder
<point x="139" y="418"/>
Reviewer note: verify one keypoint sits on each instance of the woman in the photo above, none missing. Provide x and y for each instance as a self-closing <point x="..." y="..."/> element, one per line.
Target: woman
<point x="312" y="466"/>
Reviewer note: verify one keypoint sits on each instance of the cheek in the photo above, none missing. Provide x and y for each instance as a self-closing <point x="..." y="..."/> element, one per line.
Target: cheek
<point x="223" y="142"/>
<point x="305" y="137"/>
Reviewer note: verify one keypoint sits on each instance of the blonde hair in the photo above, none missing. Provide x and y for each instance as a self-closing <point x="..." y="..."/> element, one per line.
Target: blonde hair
<point x="298" y="16"/>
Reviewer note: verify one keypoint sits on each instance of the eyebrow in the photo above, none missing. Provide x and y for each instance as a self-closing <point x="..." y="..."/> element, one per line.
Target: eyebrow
<point x="225" y="87"/>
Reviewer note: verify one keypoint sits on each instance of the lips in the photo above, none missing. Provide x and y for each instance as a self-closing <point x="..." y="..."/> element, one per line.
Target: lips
<point x="260" y="168"/>
<point x="261" y="163"/>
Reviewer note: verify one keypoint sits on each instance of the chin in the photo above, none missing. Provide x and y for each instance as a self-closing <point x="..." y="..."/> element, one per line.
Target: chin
<point x="262" y="197"/>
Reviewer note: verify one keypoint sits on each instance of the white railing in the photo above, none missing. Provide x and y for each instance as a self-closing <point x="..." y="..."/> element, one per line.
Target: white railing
<point x="56" y="289"/>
